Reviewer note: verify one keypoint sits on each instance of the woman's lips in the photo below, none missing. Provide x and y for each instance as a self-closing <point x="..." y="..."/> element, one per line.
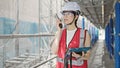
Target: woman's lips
<point x="65" y="19"/>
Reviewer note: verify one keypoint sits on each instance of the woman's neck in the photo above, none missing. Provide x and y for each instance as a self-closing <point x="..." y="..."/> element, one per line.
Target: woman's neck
<point x="71" y="27"/>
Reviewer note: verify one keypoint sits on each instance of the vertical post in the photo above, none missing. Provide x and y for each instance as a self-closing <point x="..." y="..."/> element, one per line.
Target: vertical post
<point x="111" y="35"/>
<point x="56" y="6"/>
<point x="117" y="36"/>
<point x="61" y="4"/>
<point x="4" y="55"/>
<point x="51" y="21"/>
<point x="83" y="23"/>
<point x="107" y="36"/>
<point x="39" y="12"/>
<point x="103" y="13"/>
<point x="17" y="31"/>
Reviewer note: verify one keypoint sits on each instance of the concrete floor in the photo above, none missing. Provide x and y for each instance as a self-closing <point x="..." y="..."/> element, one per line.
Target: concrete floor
<point x="100" y="57"/>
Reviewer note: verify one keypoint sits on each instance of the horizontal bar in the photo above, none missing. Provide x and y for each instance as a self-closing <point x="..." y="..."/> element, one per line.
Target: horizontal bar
<point x="39" y="64"/>
<point x="10" y="36"/>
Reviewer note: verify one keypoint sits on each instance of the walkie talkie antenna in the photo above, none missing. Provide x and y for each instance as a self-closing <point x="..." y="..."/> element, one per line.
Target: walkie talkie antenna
<point x="60" y="24"/>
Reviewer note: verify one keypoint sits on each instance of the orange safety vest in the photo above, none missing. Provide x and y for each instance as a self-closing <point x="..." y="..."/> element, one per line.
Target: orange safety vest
<point x="74" y="43"/>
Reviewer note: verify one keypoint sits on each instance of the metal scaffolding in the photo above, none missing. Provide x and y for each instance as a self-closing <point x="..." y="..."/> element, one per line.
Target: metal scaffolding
<point x="21" y="48"/>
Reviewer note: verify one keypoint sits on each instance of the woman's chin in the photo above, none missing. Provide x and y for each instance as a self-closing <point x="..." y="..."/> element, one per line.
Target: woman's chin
<point x="66" y="22"/>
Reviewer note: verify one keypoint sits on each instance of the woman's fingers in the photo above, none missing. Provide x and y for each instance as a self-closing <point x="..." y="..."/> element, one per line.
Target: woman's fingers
<point x="83" y="54"/>
<point x="75" y="55"/>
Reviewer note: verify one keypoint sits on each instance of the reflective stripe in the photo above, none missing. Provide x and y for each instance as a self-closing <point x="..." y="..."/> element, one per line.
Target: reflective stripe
<point x="81" y="38"/>
<point x="77" y="62"/>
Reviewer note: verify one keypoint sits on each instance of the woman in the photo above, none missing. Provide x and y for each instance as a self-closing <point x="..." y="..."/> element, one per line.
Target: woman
<point x="69" y="38"/>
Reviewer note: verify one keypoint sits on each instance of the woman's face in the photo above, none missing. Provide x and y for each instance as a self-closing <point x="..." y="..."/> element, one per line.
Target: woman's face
<point x="68" y="17"/>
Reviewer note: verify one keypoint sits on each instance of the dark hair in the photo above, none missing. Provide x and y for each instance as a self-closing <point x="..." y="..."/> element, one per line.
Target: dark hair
<point x="76" y="23"/>
<point x="77" y="13"/>
<point x="76" y="19"/>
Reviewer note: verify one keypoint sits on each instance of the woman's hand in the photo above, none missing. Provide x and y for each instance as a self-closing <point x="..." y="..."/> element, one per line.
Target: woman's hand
<point x="77" y="55"/>
<point x="55" y="43"/>
<point x="83" y="56"/>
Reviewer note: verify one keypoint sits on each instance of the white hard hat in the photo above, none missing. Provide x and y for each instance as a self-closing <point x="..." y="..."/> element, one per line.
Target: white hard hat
<point x="71" y="6"/>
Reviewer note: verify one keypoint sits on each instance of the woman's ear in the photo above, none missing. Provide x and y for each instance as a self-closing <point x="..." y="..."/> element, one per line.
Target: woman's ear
<point x="76" y="17"/>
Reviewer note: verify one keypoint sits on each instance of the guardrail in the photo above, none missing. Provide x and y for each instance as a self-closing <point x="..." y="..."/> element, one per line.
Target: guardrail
<point x="39" y="64"/>
<point x="10" y="36"/>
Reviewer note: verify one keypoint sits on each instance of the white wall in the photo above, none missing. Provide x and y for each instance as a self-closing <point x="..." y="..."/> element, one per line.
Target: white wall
<point x="8" y="8"/>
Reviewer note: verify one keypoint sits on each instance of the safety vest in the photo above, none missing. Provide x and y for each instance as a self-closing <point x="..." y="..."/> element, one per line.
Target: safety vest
<point x="76" y="42"/>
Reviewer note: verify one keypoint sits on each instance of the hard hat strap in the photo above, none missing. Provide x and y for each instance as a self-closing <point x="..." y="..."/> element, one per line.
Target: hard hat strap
<point x="72" y="20"/>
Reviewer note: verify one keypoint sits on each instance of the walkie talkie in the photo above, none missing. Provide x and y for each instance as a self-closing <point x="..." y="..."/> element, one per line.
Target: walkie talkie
<point x="60" y="25"/>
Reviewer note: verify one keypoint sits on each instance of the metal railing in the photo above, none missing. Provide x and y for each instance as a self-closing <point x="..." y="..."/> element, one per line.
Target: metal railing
<point x="25" y="62"/>
<point x="11" y="36"/>
<point x="44" y="62"/>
